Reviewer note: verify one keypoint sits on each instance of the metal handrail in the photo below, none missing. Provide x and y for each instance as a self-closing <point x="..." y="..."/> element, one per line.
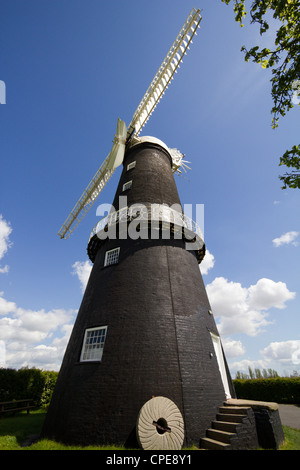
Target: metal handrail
<point x="148" y="212"/>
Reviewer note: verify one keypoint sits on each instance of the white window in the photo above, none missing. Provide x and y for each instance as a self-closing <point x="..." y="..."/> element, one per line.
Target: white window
<point x="131" y="165"/>
<point x="112" y="257"/>
<point x="93" y="344"/>
<point x="127" y="185"/>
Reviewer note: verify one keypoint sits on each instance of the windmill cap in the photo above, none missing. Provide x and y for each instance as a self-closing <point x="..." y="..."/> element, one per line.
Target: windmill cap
<point x="152" y="140"/>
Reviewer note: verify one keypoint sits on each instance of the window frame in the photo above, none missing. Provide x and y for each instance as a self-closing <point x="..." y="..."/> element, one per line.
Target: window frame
<point x="131" y="165"/>
<point x="129" y="184"/>
<point x="117" y="249"/>
<point x="85" y="351"/>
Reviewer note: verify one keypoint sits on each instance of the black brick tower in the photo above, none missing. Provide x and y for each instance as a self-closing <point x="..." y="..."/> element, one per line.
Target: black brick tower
<point x="145" y="326"/>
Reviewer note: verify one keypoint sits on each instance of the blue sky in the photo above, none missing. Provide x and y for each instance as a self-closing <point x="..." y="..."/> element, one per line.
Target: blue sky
<point x="71" y="68"/>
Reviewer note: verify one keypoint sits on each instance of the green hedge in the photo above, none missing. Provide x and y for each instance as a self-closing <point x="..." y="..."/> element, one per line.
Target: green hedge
<point x="39" y="385"/>
<point x="278" y="390"/>
<point x="27" y="383"/>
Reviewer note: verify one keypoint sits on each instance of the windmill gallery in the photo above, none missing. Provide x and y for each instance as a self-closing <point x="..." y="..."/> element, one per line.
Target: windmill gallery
<point x="147" y="220"/>
<point x="144" y="365"/>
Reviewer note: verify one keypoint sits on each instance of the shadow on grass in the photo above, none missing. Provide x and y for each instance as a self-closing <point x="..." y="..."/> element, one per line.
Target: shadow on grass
<point x="20" y="429"/>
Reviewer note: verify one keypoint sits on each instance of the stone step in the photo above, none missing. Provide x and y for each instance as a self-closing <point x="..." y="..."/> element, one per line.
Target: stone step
<point x="234" y="409"/>
<point x="233" y="418"/>
<point x="212" y="444"/>
<point x="225" y="426"/>
<point x="219" y="435"/>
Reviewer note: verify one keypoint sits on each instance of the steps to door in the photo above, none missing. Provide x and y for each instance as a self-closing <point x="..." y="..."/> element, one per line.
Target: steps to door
<point x="225" y="429"/>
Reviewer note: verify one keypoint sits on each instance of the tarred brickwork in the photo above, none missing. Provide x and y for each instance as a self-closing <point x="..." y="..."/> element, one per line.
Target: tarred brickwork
<point x="158" y="339"/>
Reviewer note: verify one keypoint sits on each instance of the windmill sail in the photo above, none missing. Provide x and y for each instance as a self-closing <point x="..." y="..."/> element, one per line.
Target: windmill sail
<point x="151" y="98"/>
<point x="165" y="72"/>
<point x="106" y="170"/>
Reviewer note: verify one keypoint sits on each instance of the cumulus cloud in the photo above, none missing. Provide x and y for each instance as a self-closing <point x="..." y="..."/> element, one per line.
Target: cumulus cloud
<point x="284" y="355"/>
<point x="32" y="337"/>
<point x="27" y="335"/>
<point x="5" y="231"/>
<point x="2" y="354"/>
<point x="207" y="263"/>
<point x="6" y="306"/>
<point x="267" y="294"/>
<point x="243" y="365"/>
<point x="284" y="352"/>
<point x="82" y="270"/>
<point x="36" y="337"/>
<point x="286" y="239"/>
<point x="232" y="347"/>
<point x="244" y="310"/>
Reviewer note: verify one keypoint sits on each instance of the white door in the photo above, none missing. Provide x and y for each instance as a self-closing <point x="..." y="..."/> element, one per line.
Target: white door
<point x="219" y="354"/>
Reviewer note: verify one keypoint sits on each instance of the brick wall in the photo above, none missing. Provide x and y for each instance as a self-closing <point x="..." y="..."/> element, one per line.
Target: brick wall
<point x="158" y="338"/>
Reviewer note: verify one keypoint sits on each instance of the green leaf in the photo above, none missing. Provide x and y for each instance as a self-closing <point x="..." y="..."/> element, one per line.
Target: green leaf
<point x="283" y="56"/>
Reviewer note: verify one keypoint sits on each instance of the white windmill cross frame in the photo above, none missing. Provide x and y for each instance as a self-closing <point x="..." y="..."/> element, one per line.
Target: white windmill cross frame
<point x="165" y="73"/>
<point x="147" y="105"/>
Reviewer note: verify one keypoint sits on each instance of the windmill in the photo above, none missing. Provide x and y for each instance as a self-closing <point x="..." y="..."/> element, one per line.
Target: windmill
<point x="144" y="361"/>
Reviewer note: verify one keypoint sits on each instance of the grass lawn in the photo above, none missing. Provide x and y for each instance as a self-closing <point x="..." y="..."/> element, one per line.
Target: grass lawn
<point x="15" y="431"/>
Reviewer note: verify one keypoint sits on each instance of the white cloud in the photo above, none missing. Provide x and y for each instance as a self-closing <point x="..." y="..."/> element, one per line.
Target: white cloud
<point x="267" y="294"/>
<point x="232" y="347"/>
<point x="82" y="269"/>
<point x="6" y="306"/>
<point x="286" y="239"/>
<point x="243" y="366"/>
<point x="284" y="352"/>
<point x="244" y="310"/>
<point x="26" y="335"/>
<point x="2" y="354"/>
<point x="5" y="231"/>
<point x="33" y="337"/>
<point x="207" y="263"/>
<point x="5" y="269"/>
<point x="283" y="356"/>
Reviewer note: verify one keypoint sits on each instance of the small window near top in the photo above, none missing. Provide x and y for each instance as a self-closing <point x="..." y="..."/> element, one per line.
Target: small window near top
<point x="112" y="257"/>
<point x="131" y="166"/>
<point x="127" y="185"/>
<point x="93" y="344"/>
